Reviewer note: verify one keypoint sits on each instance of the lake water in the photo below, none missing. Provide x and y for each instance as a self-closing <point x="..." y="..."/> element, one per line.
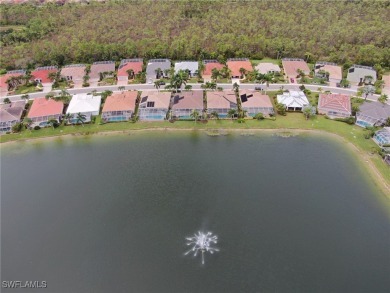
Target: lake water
<point x="110" y="214"/>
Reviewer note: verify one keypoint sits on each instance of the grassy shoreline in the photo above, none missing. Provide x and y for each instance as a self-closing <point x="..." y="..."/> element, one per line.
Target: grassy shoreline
<point x="353" y="135"/>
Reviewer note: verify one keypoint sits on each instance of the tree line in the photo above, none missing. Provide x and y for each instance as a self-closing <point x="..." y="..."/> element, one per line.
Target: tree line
<point x="337" y="31"/>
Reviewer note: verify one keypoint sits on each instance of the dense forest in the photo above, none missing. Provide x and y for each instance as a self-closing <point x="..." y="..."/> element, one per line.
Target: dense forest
<point x="354" y="31"/>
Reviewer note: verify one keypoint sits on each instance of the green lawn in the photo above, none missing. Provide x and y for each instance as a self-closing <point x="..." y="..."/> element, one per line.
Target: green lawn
<point x="24" y="89"/>
<point x="350" y="133"/>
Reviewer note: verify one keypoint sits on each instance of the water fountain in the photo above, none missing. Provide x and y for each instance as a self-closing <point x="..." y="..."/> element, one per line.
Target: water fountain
<point x="201" y="242"/>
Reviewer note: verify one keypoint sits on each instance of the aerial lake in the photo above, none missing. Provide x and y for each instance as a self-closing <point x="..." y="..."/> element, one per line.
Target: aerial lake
<point x="112" y="213"/>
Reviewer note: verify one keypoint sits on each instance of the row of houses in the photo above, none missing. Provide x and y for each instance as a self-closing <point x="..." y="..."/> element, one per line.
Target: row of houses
<point x="158" y="68"/>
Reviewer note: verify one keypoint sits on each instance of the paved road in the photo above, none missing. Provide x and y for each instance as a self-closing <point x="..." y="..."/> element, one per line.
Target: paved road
<point x="196" y="86"/>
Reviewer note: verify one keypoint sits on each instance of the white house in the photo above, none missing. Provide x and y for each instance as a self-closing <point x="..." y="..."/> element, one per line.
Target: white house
<point x="85" y="104"/>
<point x="293" y="100"/>
<point x="191" y="66"/>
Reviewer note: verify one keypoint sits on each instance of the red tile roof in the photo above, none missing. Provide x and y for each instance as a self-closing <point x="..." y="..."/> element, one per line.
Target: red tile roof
<point x="336" y="102"/>
<point x="42" y="74"/>
<point x="209" y="67"/>
<point x="235" y="66"/>
<point x="43" y="107"/>
<point x="77" y="71"/>
<point x="188" y="100"/>
<point x="291" y="67"/>
<point x="256" y="100"/>
<point x="4" y="78"/>
<point x="124" y="101"/>
<point x="136" y="66"/>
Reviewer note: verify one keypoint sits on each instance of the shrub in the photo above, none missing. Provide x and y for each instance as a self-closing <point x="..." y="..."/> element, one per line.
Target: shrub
<point x="17" y="127"/>
<point x="37" y="127"/>
<point x="259" y="116"/>
<point x="349" y="120"/>
<point x="240" y="120"/>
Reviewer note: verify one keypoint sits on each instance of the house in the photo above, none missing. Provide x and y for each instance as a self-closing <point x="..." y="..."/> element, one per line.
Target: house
<point x="119" y="106"/>
<point x="372" y="114"/>
<point x="185" y="102"/>
<point x="221" y="102"/>
<point x="41" y="75"/>
<point x="267" y="68"/>
<point x="191" y="67"/>
<point x="334" y="105"/>
<point x="382" y="137"/>
<point x="254" y="102"/>
<point x="358" y="73"/>
<point x="126" y="66"/>
<point x="100" y="70"/>
<point x="235" y="64"/>
<point x="10" y="114"/>
<point x="292" y="66"/>
<point x="154" y="105"/>
<point x="74" y="73"/>
<point x="209" y="65"/>
<point x="151" y="70"/>
<point x="85" y="104"/>
<point x="7" y="76"/>
<point x="42" y="109"/>
<point x="293" y="100"/>
<point x="330" y="71"/>
<point x="386" y="86"/>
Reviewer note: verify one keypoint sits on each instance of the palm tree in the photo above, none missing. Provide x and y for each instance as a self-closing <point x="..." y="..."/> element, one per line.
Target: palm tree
<point x="383" y="99"/>
<point x="215" y="74"/>
<point x="121" y="88"/>
<point x="52" y="122"/>
<point x="267" y="78"/>
<point x="49" y="96"/>
<point x="242" y="71"/>
<point x="214" y="114"/>
<point x="7" y="101"/>
<point x="236" y="89"/>
<point x="25" y="97"/>
<point x="63" y="96"/>
<point x="27" y="122"/>
<point x="194" y="114"/>
<point x="368" y="79"/>
<point x="80" y="118"/>
<point x="130" y="73"/>
<point x="368" y="90"/>
<point x="231" y="113"/>
<point x="158" y="72"/>
<point x="157" y="85"/>
<point x="166" y="72"/>
<point x="67" y="118"/>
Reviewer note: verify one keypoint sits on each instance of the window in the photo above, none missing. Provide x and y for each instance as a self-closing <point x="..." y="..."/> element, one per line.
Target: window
<point x="150" y="104"/>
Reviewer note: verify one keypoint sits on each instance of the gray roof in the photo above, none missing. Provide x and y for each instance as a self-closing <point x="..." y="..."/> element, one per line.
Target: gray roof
<point x="192" y="66"/>
<point x="374" y="110"/>
<point x="153" y="64"/>
<point x="12" y="111"/>
<point x="357" y="73"/>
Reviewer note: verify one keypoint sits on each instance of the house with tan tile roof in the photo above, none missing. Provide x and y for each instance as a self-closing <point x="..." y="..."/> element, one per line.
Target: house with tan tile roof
<point x="209" y="65"/>
<point x="335" y="72"/>
<point x="235" y="64"/>
<point x="129" y="64"/>
<point x="254" y="102"/>
<point x="154" y="105"/>
<point x="7" y="76"/>
<point x="85" y="104"/>
<point x="43" y="109"/>
<point x="74" y="73"/>
<point x="10" y="114"/>
<point x="291" y="66"/>
<point x="267" y="68"/>
<point x="99" y="68"/>
<point x="221" y="102"/>
<point x="334" y="105"/>
<point x="185" y="102"/>
<point x="119" y="106"/>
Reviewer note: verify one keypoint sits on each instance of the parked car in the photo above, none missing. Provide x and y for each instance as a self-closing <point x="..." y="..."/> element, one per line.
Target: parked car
<point x="257" y="88"/>
<point x="162" y="82"/>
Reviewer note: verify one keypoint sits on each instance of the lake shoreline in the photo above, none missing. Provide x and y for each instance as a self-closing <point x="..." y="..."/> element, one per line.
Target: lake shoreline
<point x="364" y="159"/>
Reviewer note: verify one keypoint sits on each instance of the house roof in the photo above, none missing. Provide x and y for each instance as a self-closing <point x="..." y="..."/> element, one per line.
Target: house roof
<point x="160" y="99"/>
<point x="220" y="99"/>
<point x="74" y="70"/>
<point x="5" y="77"/>
<point x="81" y="103"/>
<point x="42" y="73"/>
<point x="153" y="64"/>
<point x="122" y="101"/>
<point x="291" y="66"/>
<point x="335" y="71"/>
<point x="101" y="66"/>
<point x="188" y="100"/>
<point x="136" y="66"/>
<point x="235" y="65"/>
<point x="386" y="79"/>
<point x="208" y="67"/>
<point x="358" y="72"/>
<point x="336" y="102"/>
<point x="264" y="68"/>
<point x="12" y="111"/>
<point x="294" y="99"/>
<point x="45" y="107"/>
<point x="255" y="100"/>
<point x="184" y="65"/>
<point x="374" y="110"/>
